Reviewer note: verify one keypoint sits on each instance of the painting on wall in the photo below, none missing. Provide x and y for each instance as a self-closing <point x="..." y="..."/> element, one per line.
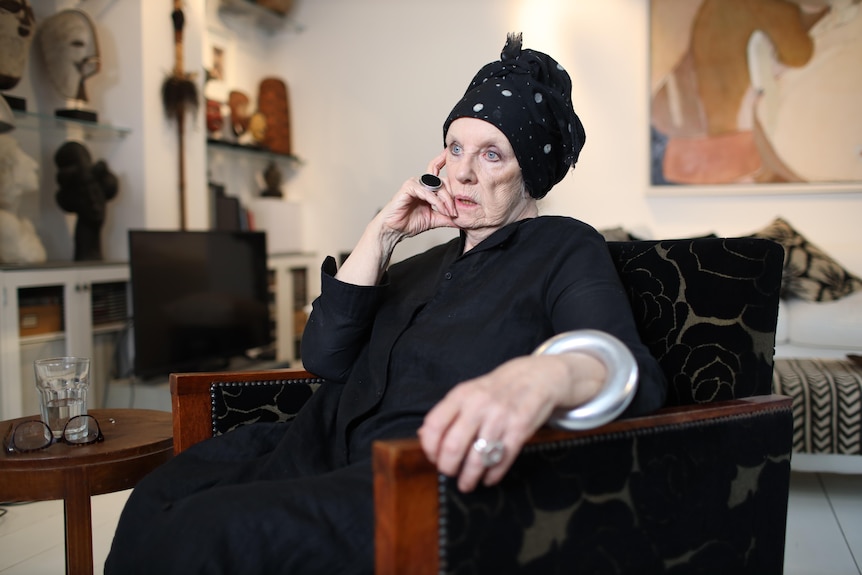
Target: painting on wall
<point x="745" y="93"/>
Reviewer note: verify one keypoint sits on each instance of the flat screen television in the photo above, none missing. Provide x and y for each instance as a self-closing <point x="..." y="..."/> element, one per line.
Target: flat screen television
<point x="199" y="299"/>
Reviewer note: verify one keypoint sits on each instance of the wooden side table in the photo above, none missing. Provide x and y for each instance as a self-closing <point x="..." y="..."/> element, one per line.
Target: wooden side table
<point x="136" y="442"/>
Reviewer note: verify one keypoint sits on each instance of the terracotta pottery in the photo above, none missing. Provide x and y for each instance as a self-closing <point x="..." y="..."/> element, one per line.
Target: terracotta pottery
<point x="272" y="103"/>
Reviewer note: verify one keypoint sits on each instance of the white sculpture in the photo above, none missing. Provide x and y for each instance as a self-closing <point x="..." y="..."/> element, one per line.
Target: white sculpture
<point x="70" y="54"/>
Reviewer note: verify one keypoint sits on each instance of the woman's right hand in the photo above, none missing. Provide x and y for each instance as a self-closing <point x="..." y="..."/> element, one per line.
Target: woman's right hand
<point x="416" y="209"/>
<point x="411" y="211"/>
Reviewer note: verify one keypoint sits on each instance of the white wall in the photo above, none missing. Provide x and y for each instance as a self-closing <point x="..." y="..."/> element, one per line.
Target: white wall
<point x="373" y="80"/>
<point x="370" y="83"/>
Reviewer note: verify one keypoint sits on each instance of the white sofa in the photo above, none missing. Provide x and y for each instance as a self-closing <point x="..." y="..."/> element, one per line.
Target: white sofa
<point x="823" y="334"/>
<point x="830" y="329"/>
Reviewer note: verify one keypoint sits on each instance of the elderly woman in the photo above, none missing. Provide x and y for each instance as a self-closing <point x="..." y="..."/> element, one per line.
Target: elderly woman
<point x="439" y="345"/>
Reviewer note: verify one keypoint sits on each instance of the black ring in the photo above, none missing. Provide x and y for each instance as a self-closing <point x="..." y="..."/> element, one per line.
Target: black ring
<point x="431" y="182"/>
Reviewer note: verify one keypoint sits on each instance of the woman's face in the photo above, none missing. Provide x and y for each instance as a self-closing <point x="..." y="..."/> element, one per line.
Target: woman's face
<point x="484" y="179"/>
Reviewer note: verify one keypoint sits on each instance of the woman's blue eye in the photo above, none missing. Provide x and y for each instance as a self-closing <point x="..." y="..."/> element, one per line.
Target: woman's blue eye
<point x="456" y="149"/>
<point x="493" y="155"/>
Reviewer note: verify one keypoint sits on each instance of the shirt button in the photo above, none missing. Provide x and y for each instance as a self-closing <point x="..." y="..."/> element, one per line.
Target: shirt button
<point x="448" y="275"/>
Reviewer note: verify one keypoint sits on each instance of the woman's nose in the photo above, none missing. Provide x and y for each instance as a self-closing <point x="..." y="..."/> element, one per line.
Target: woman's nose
<point x="465" y="171"/>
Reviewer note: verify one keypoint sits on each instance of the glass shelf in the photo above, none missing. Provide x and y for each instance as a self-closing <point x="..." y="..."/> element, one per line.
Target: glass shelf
<point x="91" y="130"/>
<point x="266" y="18"/>
<point x="252" y="151"/>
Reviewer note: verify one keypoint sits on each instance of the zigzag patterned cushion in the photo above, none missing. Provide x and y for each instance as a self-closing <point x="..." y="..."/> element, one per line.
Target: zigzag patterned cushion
<point x="827" y="403"/>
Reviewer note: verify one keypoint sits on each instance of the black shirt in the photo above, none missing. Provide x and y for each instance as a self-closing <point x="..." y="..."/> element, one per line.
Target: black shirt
<point x="442" y="317"/>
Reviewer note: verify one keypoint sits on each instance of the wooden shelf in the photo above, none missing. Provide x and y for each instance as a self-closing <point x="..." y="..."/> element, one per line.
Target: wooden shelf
<point x="267" y="19"/>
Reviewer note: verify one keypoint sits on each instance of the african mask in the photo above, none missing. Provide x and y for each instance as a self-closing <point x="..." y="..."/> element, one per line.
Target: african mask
<point x="16" y="33"/>
<point x="70" y="52"/>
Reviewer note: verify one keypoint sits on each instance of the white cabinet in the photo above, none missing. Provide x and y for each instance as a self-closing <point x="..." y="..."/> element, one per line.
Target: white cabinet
<point x="65" y="294"/>
<point x="294" y="280"/>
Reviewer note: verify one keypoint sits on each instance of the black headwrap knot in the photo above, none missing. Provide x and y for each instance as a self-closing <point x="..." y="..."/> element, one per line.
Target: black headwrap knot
<point x="528" y="96"/>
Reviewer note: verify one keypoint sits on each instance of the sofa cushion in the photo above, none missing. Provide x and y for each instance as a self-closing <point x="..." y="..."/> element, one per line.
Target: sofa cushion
<point x="809" y="272"/>
<point x="617" y="234"/>
<point x="826" y="409"/>
<point x="835" y="324"/>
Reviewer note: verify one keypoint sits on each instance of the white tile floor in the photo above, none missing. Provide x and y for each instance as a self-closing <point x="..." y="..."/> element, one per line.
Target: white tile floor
<point x="824" y="525"/>
<point x="31" y="535"/>
<point x="824" y="529"/>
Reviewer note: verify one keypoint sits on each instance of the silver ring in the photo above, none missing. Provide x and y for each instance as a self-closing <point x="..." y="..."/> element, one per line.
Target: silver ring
<point x="430" y="182"/>
<point x="491" y="451"/>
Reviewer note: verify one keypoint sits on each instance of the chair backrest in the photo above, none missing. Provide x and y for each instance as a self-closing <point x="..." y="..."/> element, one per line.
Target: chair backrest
<point x="707" y="309"/>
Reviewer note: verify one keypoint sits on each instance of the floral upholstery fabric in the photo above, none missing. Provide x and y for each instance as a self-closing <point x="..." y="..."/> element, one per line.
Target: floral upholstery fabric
<point x="704" y="498"/>
<point x="707" y="310"/>
<point x="242" y="403"/>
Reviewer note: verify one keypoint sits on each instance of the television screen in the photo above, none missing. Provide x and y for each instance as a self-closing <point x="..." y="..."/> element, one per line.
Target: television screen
<point x="199" y="298"/>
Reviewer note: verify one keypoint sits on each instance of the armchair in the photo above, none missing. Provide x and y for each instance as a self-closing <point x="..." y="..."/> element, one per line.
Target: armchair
<point x="699" y="486"/>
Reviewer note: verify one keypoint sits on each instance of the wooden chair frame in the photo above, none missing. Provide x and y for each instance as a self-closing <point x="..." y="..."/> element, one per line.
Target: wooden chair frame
<point x="406" y="484"/>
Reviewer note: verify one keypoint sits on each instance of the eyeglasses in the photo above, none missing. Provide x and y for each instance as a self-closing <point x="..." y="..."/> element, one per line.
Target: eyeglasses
<point x="34" y="435"/>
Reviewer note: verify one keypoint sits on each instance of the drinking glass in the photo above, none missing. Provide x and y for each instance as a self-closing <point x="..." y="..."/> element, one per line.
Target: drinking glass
<point x="62" y="383"/>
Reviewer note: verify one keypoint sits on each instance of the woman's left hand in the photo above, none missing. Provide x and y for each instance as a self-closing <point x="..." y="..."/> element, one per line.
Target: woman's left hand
<point x="506" y="405"/>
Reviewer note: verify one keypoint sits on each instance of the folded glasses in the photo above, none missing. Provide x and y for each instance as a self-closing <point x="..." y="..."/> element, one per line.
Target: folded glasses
<point x="34" y="435"/>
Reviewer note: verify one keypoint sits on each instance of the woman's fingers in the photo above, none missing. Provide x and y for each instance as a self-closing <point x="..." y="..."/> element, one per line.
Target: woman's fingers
<point x="471" y="413"/>
<point x="511" y="448"/>
<point x="489" y="456"/>
<point x="435" y="165"/>
<point x="447" y="436"/>
<point x="502" y="408"/>
<point x="415" y="209"/>
<point x="440" y="199"/>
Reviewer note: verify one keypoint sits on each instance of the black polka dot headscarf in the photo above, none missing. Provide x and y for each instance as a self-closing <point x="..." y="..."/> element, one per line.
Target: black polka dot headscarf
<point x="528" y="96"/>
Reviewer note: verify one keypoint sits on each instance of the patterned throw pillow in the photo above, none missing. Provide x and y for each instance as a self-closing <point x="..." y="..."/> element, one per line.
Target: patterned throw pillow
<point x="618" y="234"/>
<point x="809" y="273"/>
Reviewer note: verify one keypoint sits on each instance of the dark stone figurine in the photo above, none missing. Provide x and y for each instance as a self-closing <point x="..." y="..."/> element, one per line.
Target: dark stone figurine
<point x="85" y="189"/>
<point x="272" y="179"/>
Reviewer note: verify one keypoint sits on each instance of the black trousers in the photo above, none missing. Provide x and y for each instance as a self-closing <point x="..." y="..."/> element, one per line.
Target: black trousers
<point x="239" y="504"/>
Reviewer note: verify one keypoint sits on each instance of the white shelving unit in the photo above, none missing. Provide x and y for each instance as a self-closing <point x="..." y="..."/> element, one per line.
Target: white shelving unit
<point x="75" y="284"/>
<point x="291" y="298"/>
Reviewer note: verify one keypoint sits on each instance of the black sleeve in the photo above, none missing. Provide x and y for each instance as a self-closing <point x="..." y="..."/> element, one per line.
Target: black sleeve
<point x="586" y="293"/>
<point x="338" y="326"/>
